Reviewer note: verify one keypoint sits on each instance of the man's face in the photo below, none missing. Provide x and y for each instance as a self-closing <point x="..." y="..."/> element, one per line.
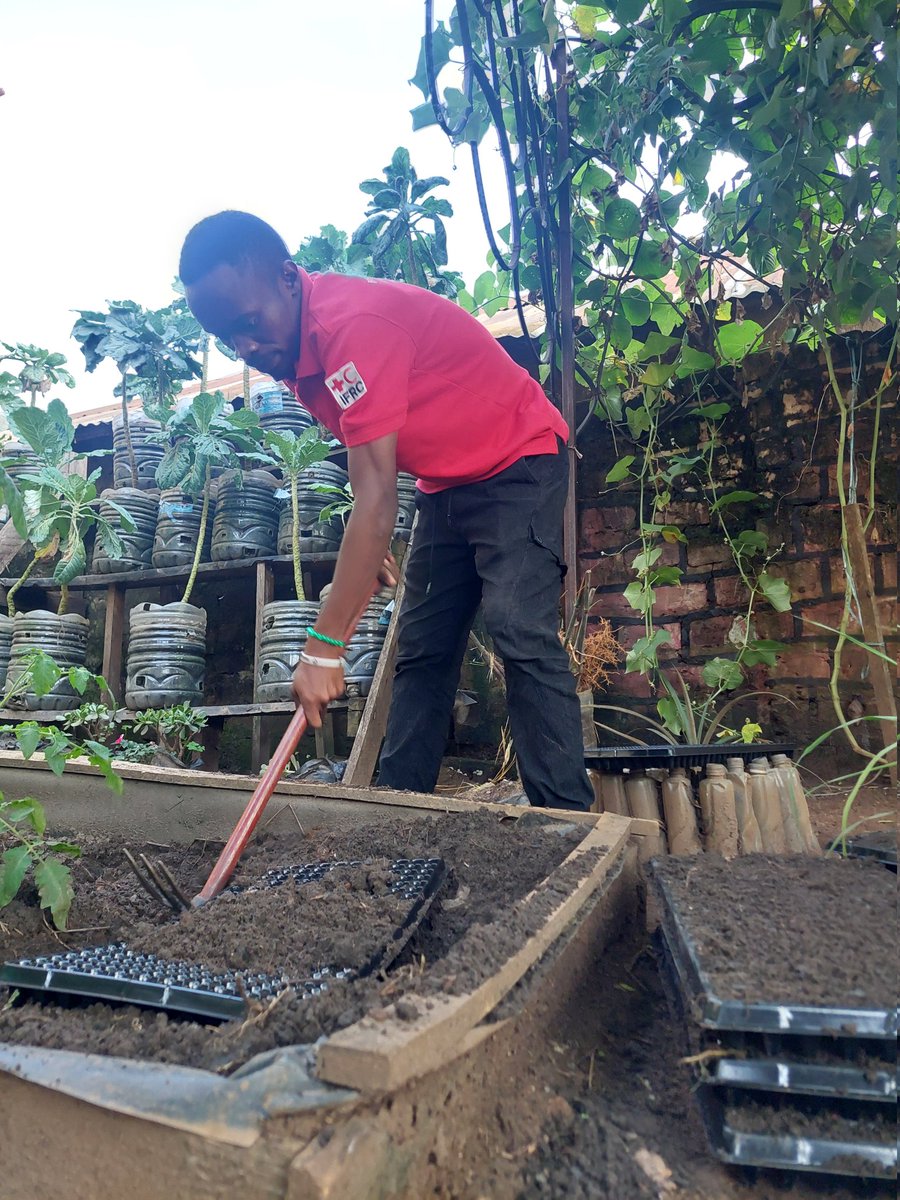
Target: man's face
<point x="254" y="311"/>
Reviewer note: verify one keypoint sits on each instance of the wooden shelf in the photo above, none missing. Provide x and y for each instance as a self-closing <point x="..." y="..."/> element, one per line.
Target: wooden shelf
<point x="163" y="576"/>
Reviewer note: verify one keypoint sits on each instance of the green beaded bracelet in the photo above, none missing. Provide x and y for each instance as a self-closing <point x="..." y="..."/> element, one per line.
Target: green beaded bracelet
<point x="322" y="637"/>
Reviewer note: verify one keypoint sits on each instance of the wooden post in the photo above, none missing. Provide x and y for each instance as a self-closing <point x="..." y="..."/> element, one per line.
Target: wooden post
<point x="566" y="324"/>
<point x="367" y="743"/>
<point x="872" y="632"/>
<point x="265" y="592"/>
<point x="114" y="639"/>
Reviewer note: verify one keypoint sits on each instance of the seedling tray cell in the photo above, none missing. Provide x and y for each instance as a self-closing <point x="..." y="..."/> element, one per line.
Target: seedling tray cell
<point x="804" y="1079"/>
<point x="615" y="760"/>
<point x="879" y="847"/>
<point x="115" y="973"/>
<point x="784" y="1017"/>
<point x="796" y="1153"/>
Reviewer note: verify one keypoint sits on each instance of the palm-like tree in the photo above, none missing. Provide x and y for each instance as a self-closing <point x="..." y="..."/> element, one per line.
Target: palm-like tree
<point x="404" y="227"/>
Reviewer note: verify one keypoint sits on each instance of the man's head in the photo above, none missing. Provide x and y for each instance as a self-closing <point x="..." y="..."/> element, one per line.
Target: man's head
<point x="243" y="287"/>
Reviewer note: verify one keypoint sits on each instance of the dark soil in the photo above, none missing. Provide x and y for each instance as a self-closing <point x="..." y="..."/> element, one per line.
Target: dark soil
<point x="878" y="1125"/>
<point x="472" y="928"/>
<point x="794" y="930"/>
<point x="624" y="1122"/>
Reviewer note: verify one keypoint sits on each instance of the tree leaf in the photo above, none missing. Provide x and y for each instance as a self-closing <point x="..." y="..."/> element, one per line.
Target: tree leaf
<point x="737" y="339"/>
<point x="776" y="591"/>
<point x="28" y="738"/>
<point x="621" y="219"/>
<point x="620" y="470"/>
<point x="13" y="868"/>
<point x="54" y="884"/>
<point x="737" y="497"/>
<point x="723" y="673"/>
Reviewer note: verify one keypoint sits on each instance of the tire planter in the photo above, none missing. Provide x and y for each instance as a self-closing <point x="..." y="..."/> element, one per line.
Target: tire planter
<point x="6" y="632"/>
<point x="316" y="536"/>
<point x="166" y="655"/>
<point x="21" y="458"/>
<point x="147" y="452"/>
<point x="246" y="520"/>
<point x="137" y="545"/>
<point x="364" y="648"/>
<point x="278" y="408"/>
<point x="177" y="527"/>
<point x="64" y="638"/>
<point x="406" y="513"/>
<point x="283" y="637"/>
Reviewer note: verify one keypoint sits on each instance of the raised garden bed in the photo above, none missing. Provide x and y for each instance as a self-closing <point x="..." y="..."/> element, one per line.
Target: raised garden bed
<point x="784" y="972"/>
<point x="516" y="885"/>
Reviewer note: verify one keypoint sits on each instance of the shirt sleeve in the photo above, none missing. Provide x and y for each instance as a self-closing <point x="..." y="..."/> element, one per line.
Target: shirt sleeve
<point x="367" y="371"/>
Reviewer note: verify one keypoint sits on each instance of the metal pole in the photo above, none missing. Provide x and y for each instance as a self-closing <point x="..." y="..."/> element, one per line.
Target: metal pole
<point x="566" y="323"/>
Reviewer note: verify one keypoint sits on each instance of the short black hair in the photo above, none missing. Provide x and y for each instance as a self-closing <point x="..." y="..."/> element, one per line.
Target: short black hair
<point x="229" y="237"/>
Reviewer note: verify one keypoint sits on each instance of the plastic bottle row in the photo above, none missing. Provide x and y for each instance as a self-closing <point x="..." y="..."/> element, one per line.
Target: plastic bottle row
<point x="760" y="809"/>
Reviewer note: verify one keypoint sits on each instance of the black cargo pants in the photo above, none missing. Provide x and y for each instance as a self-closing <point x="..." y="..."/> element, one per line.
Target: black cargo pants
<point x="498" y="543"/>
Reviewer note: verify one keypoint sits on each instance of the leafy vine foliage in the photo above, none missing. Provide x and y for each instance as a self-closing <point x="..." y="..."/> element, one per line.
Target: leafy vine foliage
<point x="715" y="149"/>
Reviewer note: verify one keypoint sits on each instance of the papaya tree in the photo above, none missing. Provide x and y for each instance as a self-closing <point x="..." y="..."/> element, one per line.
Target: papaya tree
<point x="59" y="508"/>
<point x="292" y="454"/>
<point x="152" y="349"/>
<point x="200" y="437"/>
<point x="40" y="369"/>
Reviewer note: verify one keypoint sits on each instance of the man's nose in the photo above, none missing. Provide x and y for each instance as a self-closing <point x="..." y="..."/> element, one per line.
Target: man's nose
<point x="244" y="346"/>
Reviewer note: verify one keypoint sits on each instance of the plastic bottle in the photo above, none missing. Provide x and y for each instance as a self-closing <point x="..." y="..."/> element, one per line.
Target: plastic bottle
<point x="612" y="793"/>
<point x="643" y="798"/>
<point x="717" y="807"/>
<point x="766" y="806"/>
<point x="794" y="809"/>
<point x="681" y="817"/>
<point x="749" y="837"/>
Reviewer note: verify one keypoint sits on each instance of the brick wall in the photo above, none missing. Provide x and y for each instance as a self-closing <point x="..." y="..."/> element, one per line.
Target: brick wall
<point x="779" y="442"/>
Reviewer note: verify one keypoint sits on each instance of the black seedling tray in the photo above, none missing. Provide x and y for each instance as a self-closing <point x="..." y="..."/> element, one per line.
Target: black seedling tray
<point x="115" y="973"/>
<point x="614" y="760"/>
<point x="788" y="1152"/>
<point x="804" y="1079"/>
<point x="879" y="847"/>
<point x="782" y="1017"/>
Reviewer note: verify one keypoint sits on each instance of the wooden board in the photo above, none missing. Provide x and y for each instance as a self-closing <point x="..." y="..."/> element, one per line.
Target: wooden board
<point x="367" y="743"/>
<point x="380" y="1056"/>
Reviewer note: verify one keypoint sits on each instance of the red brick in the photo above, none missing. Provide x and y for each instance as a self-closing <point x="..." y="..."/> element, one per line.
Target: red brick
<point x="828" y="614"/>
<point x="798" y="407"/>
<point x="856" y="663"/>
<point x="612" y="518"/>
<point x="862" y="481"/>
<point x="731" y="591"/>
<point x="684" y="512"/>
<point x="692" y="676"/>
<point x="836" y="575"/>
<point x="680" y="601"/>
<point x="710" y="633"/>
<point x="708" y="554"/>
<point x="607" y="570"/>
<point x="613" y="605"/>
<point x="628" y="684"/>
<point x="775" y="625"/>
<point x="887" y="566"/>
<point x="627" y="635"/>
<point x="804" y="577"/>
<point x="800" y="663"/>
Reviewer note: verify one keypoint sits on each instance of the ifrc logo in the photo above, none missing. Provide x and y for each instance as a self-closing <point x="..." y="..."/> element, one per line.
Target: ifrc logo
<point x="346" y="385"/>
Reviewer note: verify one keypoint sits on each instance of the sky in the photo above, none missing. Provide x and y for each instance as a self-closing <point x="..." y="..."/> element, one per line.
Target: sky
<point x="126" y="121"/>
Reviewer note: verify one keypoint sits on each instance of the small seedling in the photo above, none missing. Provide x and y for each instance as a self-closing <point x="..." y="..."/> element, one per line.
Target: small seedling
<point x="25" y="823"/>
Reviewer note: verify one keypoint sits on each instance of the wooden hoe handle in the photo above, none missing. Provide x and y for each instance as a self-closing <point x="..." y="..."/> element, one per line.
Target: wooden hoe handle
<point x="249" y="818"/>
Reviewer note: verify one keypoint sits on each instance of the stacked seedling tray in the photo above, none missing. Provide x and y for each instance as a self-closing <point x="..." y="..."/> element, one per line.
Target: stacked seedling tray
<point x="781" y="1084"/>
<point x="615" y="760"/>
<point x="115" y="973"/>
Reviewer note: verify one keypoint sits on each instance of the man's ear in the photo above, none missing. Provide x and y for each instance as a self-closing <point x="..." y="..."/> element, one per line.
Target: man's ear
<point x="290" y="276"/>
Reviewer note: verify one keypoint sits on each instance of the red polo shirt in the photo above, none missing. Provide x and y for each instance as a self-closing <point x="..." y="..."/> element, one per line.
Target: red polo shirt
<point x="378" y="357"/>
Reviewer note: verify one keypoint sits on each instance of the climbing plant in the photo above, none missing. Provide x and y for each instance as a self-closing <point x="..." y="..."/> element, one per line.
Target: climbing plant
<point x="679" y="153"/>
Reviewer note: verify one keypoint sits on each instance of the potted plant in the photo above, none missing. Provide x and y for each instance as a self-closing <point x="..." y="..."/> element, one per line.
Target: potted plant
<point x="284" y="621"/>
<point x="154" y="353"/>
<point x="59" y="510"/>
<point x="167" y="642"/>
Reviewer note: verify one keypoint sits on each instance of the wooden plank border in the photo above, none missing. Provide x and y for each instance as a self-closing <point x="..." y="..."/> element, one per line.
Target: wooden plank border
<point x="386" y="1056"/>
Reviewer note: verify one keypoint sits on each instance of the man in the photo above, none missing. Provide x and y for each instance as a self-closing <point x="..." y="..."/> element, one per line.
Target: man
<point x="410" y="382"/>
